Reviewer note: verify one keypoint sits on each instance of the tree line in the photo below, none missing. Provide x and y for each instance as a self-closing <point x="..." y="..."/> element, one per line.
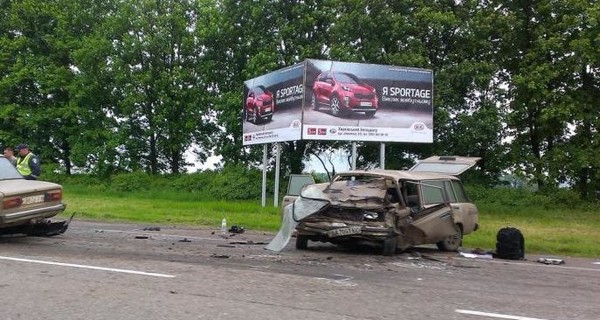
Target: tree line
<point x="108" y="86"/>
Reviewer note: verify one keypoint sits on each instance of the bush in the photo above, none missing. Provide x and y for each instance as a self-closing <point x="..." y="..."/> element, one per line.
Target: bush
<point x="506" y="198"/>
<point x="132" y="181"/>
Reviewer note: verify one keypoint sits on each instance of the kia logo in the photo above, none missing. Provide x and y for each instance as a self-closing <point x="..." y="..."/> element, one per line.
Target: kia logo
<point x="419" y="126"/>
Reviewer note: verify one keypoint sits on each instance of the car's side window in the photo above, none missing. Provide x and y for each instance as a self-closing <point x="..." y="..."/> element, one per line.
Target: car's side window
<point x="449" y="191"/>
<point x="459" y="191"/>
<point x="411" y="191"/>
<point x="431" y="191"/>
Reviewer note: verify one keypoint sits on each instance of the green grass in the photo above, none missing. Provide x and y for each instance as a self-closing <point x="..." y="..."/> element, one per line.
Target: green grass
<point x="557" y="231"/>
<point x="552" y="230"/>
<point x="168" y="207"/>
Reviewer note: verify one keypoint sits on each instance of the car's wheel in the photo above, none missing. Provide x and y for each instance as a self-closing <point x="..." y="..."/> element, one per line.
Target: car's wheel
<point x="389" y="246"/>
<point x="335" y="106"/>
<point x="269" y="118"/>
<point x="453" y="242"/>
<point x="313" y="102"/>
<point x="370" y="114"/>
<point x="301" y="242"/>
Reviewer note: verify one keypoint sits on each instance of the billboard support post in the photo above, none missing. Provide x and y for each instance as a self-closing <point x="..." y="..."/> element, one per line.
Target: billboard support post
<point x="264" y="177"/>
<point x="277" y="167"/>
<point x="354" y="155"/>
<point x="382" y="155"/>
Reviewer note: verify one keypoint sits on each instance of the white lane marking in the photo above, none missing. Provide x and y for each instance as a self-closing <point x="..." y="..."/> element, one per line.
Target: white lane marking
<point x="89" y="267"/>
<point x="494" y="315"/>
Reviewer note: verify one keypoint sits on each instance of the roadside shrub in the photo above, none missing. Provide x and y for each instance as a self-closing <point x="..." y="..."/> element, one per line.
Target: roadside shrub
<point x="506" y="199"/>
<point x="132" y="181"/>
<point x="236" y="183"/>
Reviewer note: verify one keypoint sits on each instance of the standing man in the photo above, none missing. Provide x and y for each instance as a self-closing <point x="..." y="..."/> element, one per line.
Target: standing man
<point x="28" y="163"/>
<point x="10" y="155"/>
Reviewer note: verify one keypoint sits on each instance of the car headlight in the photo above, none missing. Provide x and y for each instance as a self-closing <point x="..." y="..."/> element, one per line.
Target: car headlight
<point x="345" y="88"/>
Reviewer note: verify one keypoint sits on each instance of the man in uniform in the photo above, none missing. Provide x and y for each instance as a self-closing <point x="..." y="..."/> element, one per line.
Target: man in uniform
<point x="28" y="163"/>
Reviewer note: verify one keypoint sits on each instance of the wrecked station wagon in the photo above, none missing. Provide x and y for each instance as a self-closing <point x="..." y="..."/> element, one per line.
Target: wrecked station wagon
<point x="26" y="206"/>
<point x="397" y="209"/>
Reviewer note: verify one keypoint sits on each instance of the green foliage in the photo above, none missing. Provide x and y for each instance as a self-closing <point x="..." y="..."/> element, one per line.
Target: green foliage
<point x="508" y="199"/>
<point x="109" y="87"/>
<point x="229" y="183"/>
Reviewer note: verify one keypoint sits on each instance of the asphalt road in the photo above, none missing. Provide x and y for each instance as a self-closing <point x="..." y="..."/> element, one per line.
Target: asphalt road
<point x="121" y="271"/>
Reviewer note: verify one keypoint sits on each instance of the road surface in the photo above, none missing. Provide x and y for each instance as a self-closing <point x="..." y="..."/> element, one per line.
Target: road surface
<point x="127" y="271"/>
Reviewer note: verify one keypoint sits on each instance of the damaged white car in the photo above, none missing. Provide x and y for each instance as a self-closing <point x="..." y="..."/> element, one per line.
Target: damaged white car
<point x="396" y="209"/>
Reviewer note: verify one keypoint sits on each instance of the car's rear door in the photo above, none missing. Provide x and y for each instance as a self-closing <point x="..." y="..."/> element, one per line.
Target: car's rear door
<point x="450" y="165"/>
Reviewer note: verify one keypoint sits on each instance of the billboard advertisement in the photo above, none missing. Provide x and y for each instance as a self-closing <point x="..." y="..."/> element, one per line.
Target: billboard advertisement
<point x="367" y="102"/>
<point x="272" y="106"/>
<point x="341" y="101"/>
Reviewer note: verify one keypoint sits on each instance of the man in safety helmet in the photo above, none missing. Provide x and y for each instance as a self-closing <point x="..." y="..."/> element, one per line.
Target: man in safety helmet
<point x="28" y="163"/>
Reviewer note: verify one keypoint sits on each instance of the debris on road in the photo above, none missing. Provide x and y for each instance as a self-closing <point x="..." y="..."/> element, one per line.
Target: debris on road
<point x="151" y="229"/>
<point x="141" y="237"/>
<point x="185" y="240"/>
<point x="475" y="255"/>
<point x="221" y="256"/>
<point x="551" y="261"/>
<point x="237" y="229"/>
<point x="249" y="242"/>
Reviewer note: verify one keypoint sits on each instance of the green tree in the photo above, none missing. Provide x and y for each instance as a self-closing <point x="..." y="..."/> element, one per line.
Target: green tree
<point x="161" y="100"/>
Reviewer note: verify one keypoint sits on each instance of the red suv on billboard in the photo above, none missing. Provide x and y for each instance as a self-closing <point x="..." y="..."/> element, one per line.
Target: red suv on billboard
<point x="259" y="105"/>
<point x="343" y="92"/>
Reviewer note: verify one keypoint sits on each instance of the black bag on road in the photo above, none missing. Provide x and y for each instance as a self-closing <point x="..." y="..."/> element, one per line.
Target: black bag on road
<point x="510" y="244"/>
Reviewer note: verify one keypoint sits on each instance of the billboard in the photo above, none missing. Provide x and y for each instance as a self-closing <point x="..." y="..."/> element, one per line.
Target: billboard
<point x="272" y="106"/>
<point x="332" y="100"/>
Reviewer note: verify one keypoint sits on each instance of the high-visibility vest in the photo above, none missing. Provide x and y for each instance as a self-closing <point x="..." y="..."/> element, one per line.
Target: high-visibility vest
<point x="23" y="165"/>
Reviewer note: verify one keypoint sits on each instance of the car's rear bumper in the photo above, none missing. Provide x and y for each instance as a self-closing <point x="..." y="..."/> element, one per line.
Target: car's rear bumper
<point x="27" y="215"/>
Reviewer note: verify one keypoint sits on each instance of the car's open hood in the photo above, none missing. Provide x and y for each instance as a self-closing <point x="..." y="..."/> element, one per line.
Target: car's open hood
<point x="450" y="165"/>
<point x="21" y="186"/>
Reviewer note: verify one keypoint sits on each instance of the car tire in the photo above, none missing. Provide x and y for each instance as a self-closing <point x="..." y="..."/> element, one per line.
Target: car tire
<point x="370" y="114"/>
<point x="314" y="103"/>
<point x="269" y="118"/>
<point x="389" y="246"/>
<point x="453" y="242"/>
<point x="335" y="106"/>
<point x="301" y="242"/>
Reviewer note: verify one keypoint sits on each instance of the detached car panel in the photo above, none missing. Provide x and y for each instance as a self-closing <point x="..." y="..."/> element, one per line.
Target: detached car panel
<point x="27" y="205"/>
